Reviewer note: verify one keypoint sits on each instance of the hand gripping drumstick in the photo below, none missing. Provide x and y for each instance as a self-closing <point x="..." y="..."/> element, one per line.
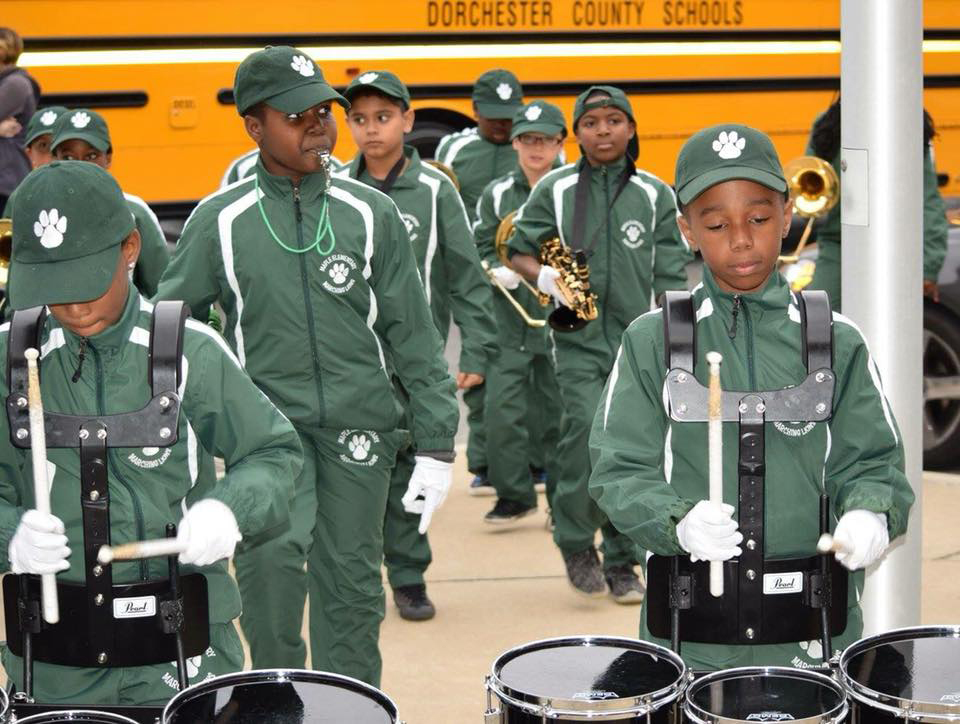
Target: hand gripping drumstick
<point x="140" y="549"/>
<point x="715" y="455"/>
<point x="829" y="544"/>
<point x="41" y="484"/>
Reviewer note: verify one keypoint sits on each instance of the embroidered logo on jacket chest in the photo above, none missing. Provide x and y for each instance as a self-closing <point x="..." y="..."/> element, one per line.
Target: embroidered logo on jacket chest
<point x="340" y="273"/>
<point x="149" y="458"/>
<point x="413" y="225"/>
<point x="633" y="232"/>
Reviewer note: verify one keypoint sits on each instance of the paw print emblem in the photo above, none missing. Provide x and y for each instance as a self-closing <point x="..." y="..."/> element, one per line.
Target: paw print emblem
<point x="80" y="119"/>
<point x="50" y="228"/>
<point x="48" y="118"/>
<point x="193" y="666"/>
<point x="814" y="649"/>
<point x="633" y="233"/>
<point x="533" y="113"/>
<point x="729" y="145"/>
<point x="504" y="91"/>
<point x="359" y="447"/>
<point x="368" y="77"/>
<point x="150" y="451"/>
<point x="339" y="273"/>
<point x="303" y="66"/>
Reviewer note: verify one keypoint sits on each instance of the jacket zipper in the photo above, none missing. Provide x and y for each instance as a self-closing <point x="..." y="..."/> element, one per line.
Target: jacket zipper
<point x="732" y="331"/>
<point x="80" y="357"/>
<point x="115" y="465"/>
<point x="751" y="372"/>
<point x="308" y="304"/>
<point x="609" y="252"/>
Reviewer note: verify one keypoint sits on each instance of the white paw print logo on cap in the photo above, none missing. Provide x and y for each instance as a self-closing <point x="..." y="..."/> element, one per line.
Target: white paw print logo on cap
<point x="50" y="228"/>
<point x="504" y="91"/>
<point x="368" y="77"/>
<point x="80" y="119"/>
<point x="302" y="65"/>
<point x="359" y="447"/>
<point x="48" y="118"/>
<point x="533" y="113"/>
<point x="729" y="145"/>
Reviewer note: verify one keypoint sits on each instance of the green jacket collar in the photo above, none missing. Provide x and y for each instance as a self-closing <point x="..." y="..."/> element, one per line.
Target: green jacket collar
<point x="613" y="169"/>
<point x="312" y="186"/>
<point x="116" y="335"/>
<point x="520" y="178"/>
<point x="407" y="179"/>
<point x="775" y="294"/>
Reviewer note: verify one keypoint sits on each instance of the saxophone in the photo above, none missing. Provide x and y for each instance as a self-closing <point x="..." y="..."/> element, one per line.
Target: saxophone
<point x="574" y="285"/>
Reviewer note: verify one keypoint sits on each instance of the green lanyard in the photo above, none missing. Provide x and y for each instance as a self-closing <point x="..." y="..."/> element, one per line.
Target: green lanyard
<point x="324" y="227"/>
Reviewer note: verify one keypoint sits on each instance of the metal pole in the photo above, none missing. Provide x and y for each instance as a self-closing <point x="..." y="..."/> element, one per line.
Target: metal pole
<point x="881" y="85"/>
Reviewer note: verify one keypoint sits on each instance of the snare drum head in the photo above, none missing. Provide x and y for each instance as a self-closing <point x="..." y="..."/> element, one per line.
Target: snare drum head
<point x="570" y="672"/>
<point x="281" y="697"/>
<point x="758" y="694"/>
<point x="914" y="666"/>
<point x="76" y="716"/>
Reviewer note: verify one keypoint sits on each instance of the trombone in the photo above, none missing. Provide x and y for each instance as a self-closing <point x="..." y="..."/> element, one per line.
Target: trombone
<point x="815" y="189"/>
<point x="500" y="244"/>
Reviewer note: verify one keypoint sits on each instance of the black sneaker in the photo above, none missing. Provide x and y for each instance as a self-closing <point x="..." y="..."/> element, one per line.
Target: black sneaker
<point x="413" y="602"/>
<point x="480" y="485"/>
<point x="585" y="573"/>
<point x="539" y="477"/>
<point x="625" y="585"/>
<point x="508" y="511"/>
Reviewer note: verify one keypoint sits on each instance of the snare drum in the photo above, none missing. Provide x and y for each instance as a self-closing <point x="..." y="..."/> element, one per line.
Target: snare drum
<point x="586" y="677"/>
<point x="905" y="675"/>
<point x="752" y="694"/>
<point x="281" y="696"/>
<point x="77" y="716"/>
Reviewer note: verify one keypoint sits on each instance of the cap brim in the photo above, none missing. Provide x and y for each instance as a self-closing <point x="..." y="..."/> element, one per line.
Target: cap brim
<point x="305" y="96"/>
<point x="728" y="173"/>
<point x="547" y="129"/>
<point x="497" y="111"/>
<point x="62" y="282"/>
<point x="31" y="137"/>
<point x="95" y="140"/>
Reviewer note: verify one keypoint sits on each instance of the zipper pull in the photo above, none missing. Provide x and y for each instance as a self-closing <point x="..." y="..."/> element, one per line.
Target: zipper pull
<point x="80" y="356"/>
<point x="732" y="332"/>
<point x="296" y="203"/>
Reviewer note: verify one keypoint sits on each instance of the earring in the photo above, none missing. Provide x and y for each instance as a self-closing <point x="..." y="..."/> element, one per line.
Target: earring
<point x="131" y="265"/>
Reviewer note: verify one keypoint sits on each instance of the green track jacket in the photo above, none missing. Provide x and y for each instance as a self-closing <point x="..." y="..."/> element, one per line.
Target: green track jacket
<point x="935" y="226"/>
<point x="499" y="198"/>
<point x="154" y="255"/>
<point x="150" y="487"/>
<point x="637" y="251"/>
<point x="446" y="255"/>
<point x="320" y="334"/>
<point x="475" y="160"/>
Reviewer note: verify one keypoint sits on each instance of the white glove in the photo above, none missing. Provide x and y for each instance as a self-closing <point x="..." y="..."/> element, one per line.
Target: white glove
<point x="709" y="532"/>
<point x="507" y="277"/>
<point x="547" y="283"/>
<point x="39" y="545"/>
<point x="427" y="489"/>
<point x="864" y="535"/>
<point x="209" y="532"/>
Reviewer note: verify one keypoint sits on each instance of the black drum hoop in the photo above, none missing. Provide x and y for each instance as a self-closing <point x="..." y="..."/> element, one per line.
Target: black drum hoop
<point x="72" y="714"/>
<point x="576" y="710"/>
<point x="699" y="716"/>
<point x="894" y="705"/>
<point x="280" y="676"/>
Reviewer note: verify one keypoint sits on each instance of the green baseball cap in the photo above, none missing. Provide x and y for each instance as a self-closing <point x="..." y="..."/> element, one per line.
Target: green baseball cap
<point x="41" y="123"/>
<point x="616" y="98"/>
<point x="497" y="94"/>
<point x="68" y="222"/>
<point x="723" y="153"/>
<point x="284" y="78"/>
<point x="539" y="117"/>
<point x="381" y="80"/>
<point x="84" y="124"/>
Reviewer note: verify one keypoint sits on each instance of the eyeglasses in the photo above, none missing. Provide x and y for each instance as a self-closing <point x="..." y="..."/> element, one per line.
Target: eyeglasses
<point x="529" y="139"/>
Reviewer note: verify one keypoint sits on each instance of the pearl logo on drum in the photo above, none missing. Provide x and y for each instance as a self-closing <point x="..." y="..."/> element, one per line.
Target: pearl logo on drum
<point x="953" y="698"/>
<point x="141" y="607"/>
<point x="780" y="583"/>
<point x="770" y="716"/>
<point x="595" y="695"/>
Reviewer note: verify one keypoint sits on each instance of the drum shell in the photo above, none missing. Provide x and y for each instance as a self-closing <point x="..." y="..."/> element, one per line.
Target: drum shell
<point x="508" y="704"/>
<point x="85" y="716"/>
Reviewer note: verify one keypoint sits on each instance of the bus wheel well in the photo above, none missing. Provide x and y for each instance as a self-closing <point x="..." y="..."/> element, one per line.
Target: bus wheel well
<point x="431" y="125"/>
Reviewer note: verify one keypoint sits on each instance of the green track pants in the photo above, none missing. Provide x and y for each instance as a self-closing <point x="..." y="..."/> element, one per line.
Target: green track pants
<point x="337" y="531"/>
<point x="406" y="553"/>
<point x="576" y="515"/>
<point x="473" y="398"/>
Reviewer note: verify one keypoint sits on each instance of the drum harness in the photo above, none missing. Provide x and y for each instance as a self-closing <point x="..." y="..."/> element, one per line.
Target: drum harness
<point x="169" y="617"/>
<point x="752" y="610"/>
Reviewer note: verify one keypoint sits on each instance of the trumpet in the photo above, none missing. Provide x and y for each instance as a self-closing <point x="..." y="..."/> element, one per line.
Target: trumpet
<point x="504" y="232"/>
<point x="815" y="189"/>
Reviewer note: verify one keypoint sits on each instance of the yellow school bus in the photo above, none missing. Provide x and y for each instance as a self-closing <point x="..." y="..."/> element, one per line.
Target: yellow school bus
<point x="161" y="71"/>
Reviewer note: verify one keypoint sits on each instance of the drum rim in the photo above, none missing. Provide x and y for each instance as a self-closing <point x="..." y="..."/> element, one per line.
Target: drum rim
<point x="44" y="716"/>
<point x="836" y="714"/>
<point x="647" y="703"/>
<point x="255" y="675"/>
<point x="888" y="702"/>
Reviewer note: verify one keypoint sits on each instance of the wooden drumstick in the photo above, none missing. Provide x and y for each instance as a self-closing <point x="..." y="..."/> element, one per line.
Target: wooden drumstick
<point x="715" y="455"/>
<point x="41" y="483"/>
<point x="829" y="544"/>
<point x="140" y="549"/>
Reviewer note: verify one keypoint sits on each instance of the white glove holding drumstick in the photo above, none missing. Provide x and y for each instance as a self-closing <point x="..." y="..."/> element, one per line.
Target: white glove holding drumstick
<point x="860" y="539"/>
